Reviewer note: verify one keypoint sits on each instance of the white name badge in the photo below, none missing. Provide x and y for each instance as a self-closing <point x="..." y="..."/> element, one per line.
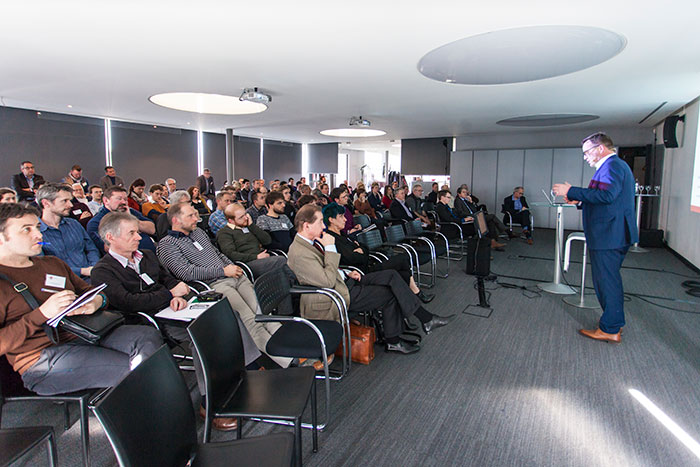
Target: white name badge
<point x="58" y="282"/>
<point x="147" y="279"/>
<point x="76" y="212"/>
<point x="197" y="246"/>
<point x="245" y="230"/>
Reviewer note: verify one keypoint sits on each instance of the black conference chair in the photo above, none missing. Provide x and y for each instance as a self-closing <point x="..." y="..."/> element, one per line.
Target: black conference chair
<point x="437" y="241"/>
<point x="13" y="390"/>
<point x="508" y="219"/>
<point x="231" y="391"/>
<point x="379" y="251"/>
<point x="421" y="249"/>
<point x="15" y="443"/>
<point x="299" y="337"/>
<point x="149" y="420"/>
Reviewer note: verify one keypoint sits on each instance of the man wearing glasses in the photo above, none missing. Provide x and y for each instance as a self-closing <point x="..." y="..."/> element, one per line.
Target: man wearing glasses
<point x="610" y="228"/>
<point x="26" y="182"/>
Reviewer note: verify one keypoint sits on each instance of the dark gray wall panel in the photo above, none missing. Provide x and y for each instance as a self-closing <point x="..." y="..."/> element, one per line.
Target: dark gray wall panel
<point x="246" y="157"/>
<point x="510" y="171"/>
<point x="426" y="156"/>
<point x="154" y="154"/>
<point x="323" y="158"/>
<point x="214" y="147"/>
<point x="53" y="142"/>
<point x="281" y="160"/>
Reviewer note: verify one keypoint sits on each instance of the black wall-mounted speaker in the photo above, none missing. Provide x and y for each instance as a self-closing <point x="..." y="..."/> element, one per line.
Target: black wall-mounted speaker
<point x="670" y="123"/>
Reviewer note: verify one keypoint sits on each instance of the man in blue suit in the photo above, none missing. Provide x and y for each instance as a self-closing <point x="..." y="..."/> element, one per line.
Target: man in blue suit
<point x="610" y="228"/>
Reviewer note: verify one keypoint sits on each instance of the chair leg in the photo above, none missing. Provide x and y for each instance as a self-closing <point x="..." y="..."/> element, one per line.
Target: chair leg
<point x="239" y="428"/>
<point x="207" y="428"/>
<point x="297" y="440"/>
<point x="66" y="416"/>
<point x="85" y="431"/>
<point x="314" y="416"/>
<point x="51" y="446"/>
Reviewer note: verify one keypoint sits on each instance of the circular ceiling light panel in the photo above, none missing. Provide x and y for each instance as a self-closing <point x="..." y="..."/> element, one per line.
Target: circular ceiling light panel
<point x="353" y="132"/>
<point x="547" y="120"/>
<point x="521" y="54"/>
<point x="203" y="103"/>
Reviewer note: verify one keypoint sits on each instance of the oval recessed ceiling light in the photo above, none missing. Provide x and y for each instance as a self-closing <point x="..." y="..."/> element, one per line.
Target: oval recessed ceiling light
<point x="203" y="103"/>
<point x="353" y="132"/>
<point x="521" y="54"/>
<point x="547" y="120"/>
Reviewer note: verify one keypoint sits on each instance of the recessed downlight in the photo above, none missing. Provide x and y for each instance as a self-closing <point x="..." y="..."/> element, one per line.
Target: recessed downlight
<point x="521" y="54"/>
<point x="353" y="132"/>
<point x="217" y="104"/>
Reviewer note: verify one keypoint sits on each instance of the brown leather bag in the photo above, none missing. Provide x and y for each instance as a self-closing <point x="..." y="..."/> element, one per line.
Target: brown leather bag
<point x="362" y="339"/>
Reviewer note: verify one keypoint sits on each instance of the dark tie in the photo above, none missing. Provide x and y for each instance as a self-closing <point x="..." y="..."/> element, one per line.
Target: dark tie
<point x="319" y="247"/>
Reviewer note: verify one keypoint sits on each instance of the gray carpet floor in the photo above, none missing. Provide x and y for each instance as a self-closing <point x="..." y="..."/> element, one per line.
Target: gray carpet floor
<point x="517" y="388"/>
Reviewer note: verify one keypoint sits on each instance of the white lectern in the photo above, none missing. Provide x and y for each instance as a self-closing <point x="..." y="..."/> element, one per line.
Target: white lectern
<point x="556" y="287"/>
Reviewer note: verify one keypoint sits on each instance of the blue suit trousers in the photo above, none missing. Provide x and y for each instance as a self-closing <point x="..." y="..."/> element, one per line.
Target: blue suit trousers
<point x="607" y="281"/>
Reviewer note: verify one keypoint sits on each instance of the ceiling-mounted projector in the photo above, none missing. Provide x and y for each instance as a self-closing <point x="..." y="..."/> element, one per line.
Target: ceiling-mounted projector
<point x="253" y="95"/>
<point x="359" y="121"/>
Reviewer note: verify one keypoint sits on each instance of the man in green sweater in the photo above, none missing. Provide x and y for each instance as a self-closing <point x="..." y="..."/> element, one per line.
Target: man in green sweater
<point x="242" y="240"/>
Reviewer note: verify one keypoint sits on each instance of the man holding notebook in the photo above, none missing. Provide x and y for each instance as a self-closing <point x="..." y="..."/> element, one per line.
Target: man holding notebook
<point x="70" y="365"/>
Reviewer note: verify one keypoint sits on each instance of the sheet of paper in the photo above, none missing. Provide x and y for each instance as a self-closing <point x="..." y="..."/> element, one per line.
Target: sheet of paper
<point x="77" y="303"/>
<point x="192" y="311"/>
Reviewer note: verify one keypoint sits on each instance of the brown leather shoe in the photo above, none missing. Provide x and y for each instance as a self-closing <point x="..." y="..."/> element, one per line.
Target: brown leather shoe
<point x="529" y="240"/>
<point x="318" y="364"/>
<point x="599" y="335"/>
<point x="495" y="244"/>
<point x="220" y="424"/>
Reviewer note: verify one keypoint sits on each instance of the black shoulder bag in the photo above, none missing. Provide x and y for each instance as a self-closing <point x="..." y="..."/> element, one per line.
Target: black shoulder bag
<point x="90" y="328"/>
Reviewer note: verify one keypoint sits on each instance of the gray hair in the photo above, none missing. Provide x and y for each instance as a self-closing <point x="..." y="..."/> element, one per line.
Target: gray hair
<point x="50" y="191"/>
<point x="179" y="196"/>
<point x="112" y="223"/>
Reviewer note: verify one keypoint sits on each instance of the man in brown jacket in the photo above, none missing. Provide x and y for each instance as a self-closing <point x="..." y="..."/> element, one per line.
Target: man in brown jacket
<point x="314" y="260"/>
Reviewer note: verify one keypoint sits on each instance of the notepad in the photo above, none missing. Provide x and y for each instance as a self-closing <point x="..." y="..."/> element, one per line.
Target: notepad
<point x="191" y="312"/>
<point x="77" y="303"/>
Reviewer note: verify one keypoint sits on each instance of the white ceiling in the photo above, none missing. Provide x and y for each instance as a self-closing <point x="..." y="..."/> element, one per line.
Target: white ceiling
<point x="325" y="61"/>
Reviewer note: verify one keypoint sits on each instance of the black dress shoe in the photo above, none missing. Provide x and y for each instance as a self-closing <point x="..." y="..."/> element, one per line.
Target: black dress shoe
<point x="436" y="322"/>
<point x="402" y="347"/>
<point x="425" y="297"/>
<point x="409" y="325"/>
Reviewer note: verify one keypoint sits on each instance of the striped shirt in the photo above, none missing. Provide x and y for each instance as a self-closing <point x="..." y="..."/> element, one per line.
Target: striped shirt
<point x="191" y="257"/>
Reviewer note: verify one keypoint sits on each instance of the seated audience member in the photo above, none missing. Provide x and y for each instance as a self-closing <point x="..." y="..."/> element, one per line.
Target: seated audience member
<point x="375" y="198"/>
<point x="158" y="205"/>
<point x="321" y="200"/>
<point x="388" y="197"/>
<point x="447" y="214"/>
<point x="241" y="240"/>
<point x="63" y="236"/>
<point x="162" y="223"/>
<point x="199" y="203"/>
<point x="257" y="207"/>
<point x="71" y="365"/>
<point x="275" y="223"/>
<point x="171" y="187"/>
<point x="314" y="259"/>
<point x="76" y="176"/>
<point x="111" y="179"/>
<point x="95" y="203"/>
<point x="354" y="254"/>
<point x="189" y="255"/>
<point x="325" y="190"/>
<point x="301" y="191"/>
<point x="79" y="208"/>
<point x="517" y="206"/>
<point x="415" y="202"/>
<point x="340" y="196"/>
<point x="245" y="191"/>
<point x="304" y="200"/>
<point x="465" y="207"/>
<point x="257" y="184"/>
<point x="207" y="187"/>
<point x="115" y="199"/>
<point x="137" y="198"/>
<point x="79" y="194"/>
<point x="137" y="282"/>
<point x="289" y="208"/>
<point x="217" y="219"/>
<point x="432" y="196"/>
<point x="398" y="207"/>
<point x="26" y="182"/>
<point x="362" y="205"/>
<point x="7" y="195"/>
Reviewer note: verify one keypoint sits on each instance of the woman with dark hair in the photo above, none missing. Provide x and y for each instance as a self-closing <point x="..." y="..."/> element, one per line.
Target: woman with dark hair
<point x="199" y="203"/>
<point x="136" y="194"/>
<point x="388" y="196"/>
<point x="354" y="254"/>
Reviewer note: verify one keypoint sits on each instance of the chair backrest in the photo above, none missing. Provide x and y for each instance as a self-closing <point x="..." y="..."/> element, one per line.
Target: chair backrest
<point x="414" y="227"/>
<point x="395" y="234"/>
<point x="271" y="289"/>
<point x="148" y="416"/>
<point x="363" y="220"/>
<point x="428" y="206"/>
<point x="372" y="239"/>
<point x="387" y="215"/>
<point x="11" y="384"/>
<point x="217" y="339"/>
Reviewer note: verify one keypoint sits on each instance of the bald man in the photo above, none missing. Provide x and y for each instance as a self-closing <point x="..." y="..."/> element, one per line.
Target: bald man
<point x="241" y="240"/>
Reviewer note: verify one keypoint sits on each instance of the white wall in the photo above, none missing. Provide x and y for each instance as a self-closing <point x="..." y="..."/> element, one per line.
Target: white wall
<point x="493" y="164"/>
<point x="681" y="225"/>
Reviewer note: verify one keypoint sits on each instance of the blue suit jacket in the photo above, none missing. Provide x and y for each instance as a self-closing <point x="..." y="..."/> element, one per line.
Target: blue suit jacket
<point x="608" y="206"/>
